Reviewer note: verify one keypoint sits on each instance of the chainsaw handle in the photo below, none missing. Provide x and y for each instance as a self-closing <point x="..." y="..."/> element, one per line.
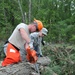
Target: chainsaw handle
<point x="31" y="55"/>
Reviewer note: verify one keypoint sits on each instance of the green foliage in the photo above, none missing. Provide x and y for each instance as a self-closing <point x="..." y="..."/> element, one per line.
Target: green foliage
<point x="72" y="39"/>
<point x="47" y="71"/>
<point x="5" y="32"/>
<point x="62" y="58"/>
<point x="2" y="55"/>
<point x="58" y="17"/>
<point x="57" y="69"/>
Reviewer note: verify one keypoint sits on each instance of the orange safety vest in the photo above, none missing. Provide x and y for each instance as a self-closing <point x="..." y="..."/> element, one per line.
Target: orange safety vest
<point x="12" y="55"/>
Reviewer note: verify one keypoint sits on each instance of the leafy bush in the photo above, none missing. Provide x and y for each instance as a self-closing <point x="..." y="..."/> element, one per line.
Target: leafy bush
<point x="2" y="55"/>
<point x="62" y="57"/>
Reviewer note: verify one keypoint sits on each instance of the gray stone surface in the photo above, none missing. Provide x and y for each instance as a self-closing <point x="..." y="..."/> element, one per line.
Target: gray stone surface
<point x="45" y="61"/>
<point x="16" y="69"/>
<point x="24" y="68"/>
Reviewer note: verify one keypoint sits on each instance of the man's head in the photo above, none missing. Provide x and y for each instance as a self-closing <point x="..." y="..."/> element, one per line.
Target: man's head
<point x="43" y="32"/>
<point x="36" y="26"/>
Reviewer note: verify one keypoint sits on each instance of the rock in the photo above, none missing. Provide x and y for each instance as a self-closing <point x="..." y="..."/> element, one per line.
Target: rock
<point x="25" y="68"/>
<point x="16" y="69"/>
<point x="34" y="73"/>
<point x="45" y="61"/>
<point x="0" y="63"/>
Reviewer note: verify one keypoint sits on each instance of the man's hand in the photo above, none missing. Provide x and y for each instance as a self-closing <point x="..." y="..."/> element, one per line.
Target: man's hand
<point x="31" y="46"/>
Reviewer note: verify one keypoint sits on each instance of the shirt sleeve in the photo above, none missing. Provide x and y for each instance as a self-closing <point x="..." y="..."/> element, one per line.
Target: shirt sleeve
<point x="35" y="34"/>
<point x="33" y="37"/>
<point x="40" y="45"/>
<point x="22" y="25"/>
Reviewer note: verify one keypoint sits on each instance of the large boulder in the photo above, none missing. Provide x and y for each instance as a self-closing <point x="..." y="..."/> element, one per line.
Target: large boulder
<point x="25" y="68"/>
<point x="45" y="61"/>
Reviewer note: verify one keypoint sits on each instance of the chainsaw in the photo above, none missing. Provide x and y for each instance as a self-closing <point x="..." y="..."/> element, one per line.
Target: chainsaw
<point x="31" y="55"/>
<point x="32" y="58"/>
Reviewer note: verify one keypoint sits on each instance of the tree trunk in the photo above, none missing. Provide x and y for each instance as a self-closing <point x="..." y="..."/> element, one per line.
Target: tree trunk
<point x="29" y="11"/>
<point x="21" y="11"/>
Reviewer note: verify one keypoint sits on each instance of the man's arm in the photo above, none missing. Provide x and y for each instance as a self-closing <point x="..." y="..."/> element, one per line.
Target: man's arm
<point x="24" y="35"/>
<point x="33" y="37"/>
<point x="39" y="47"/>
<point x="42" y="41"/>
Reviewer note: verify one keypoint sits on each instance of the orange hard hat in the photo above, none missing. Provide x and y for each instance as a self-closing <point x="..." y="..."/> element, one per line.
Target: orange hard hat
<point x="39" y="24"/>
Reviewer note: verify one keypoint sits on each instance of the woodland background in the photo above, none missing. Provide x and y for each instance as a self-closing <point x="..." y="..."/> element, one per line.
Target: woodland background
<point x="58" y="16"/>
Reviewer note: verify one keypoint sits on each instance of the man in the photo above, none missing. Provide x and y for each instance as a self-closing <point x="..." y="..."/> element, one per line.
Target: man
<point x="13" y="47"/>
<point x="36" y="39"/>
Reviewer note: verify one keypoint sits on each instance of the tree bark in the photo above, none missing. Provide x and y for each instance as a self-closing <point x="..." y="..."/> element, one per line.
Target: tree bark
<point x="21" y="11"/>
<point x="29" y="11"/>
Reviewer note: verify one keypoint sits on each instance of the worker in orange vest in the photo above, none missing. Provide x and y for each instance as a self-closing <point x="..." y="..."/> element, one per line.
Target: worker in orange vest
<point x="14" y="48"/>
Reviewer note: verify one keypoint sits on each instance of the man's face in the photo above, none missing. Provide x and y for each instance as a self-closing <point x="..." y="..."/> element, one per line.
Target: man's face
<point x="41" y="34"/>
<point x="33" y="28"/>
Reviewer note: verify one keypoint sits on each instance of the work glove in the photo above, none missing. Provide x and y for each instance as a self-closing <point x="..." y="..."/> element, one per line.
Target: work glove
<point x="43" y="43"/>
<point x="31" y="45"/>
